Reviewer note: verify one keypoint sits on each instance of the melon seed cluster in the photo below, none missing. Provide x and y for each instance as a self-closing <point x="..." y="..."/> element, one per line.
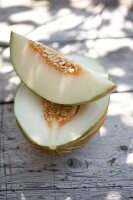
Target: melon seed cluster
<point x="57" y="112"/>
<point x="55" y="60"/>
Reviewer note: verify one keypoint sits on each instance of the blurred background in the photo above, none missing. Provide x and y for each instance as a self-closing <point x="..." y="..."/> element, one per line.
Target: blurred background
<point x="101" y="29"/>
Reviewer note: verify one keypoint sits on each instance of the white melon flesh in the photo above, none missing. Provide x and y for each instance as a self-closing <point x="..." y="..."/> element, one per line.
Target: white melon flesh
<point x="55" y="77"/>
<point x="30" y="116"/>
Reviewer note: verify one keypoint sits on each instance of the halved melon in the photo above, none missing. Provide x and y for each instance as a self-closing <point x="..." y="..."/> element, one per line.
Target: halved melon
<point x="54" y="77"/>
<point x="57" y="127"/>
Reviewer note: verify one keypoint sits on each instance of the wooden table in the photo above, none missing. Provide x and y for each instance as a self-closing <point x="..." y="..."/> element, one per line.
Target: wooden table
<point x="103" y="167"/>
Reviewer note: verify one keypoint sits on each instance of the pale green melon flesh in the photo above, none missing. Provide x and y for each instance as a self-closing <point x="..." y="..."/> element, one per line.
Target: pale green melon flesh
<point x="52" y="85"/>
<point x="29" y="114"/>
<point x="89" y="64"/>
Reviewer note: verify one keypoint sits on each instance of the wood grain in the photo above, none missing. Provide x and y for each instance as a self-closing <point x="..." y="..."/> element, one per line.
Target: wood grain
<point x="51" y="20"/>
<point x="101" y="169"/>
<point x="68" y="194"/>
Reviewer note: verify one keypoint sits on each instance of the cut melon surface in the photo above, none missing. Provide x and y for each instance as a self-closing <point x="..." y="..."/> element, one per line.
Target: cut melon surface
<point x="59" y="79"/>
<point x="49" y="125"/>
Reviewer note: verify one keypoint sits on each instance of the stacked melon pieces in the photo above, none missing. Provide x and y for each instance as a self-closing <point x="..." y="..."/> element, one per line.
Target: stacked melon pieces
<point x="62" y="100"/>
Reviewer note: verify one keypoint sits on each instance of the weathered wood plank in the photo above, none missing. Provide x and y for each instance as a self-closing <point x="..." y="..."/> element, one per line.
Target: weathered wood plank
<point x="64" y="20"/>
<point x="68" y="194"/>
<point x="115" y="55"/>
<point x="2" y="169"/>
<point x="8" y="79"/>
<point x="101" y="168"/>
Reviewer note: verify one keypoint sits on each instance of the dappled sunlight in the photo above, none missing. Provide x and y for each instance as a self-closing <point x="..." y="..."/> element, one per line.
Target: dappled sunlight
<point x="68" y="198"/>
<point x="5" y="32"/>
<point x="67" y="22"/>
<point x="117" y="70"/>
<point x="79" y="4"/>
<point x="126" y="122"/>
<point x="114" y="195"/>
<point x="117" y="58"/>
<point x="37" y="16"/>
<point x="59" y="25"/>
<point x="90" y="44"/>
<point x="9" y="98"/>
<point x="113" y="112"/>
<point x="63" y="12"/>
<point x="117" y="19"/>
<point x="116" y="132"/>
<point x="5" y="4"/>
<point x="93" y="22"/>
<point x="106" y="15"/>
<point x="92" y="34"/>
<point x="22" y="196"/>
<point x="6" y="54"/>
<point x="120" y="106"/>
<point x="108" y="46"/>
<point x="96" y="21"/>
<point x="66" y="49"/>
<point x="6" y="69"/>
<point x="22" y="28"/>
<point x="92" y="53"/>
<point x="14" y="80"/>
<point x="103" y="131"/>
<point x="55" y="45"/>
<point x="129" y="158"/>
<point x="123" y="87"/>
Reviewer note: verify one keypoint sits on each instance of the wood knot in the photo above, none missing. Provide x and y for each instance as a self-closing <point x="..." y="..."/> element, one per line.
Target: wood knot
<point x="73" y="164"/>
<point x="112" y="161"/>
<point x="123" y="148"/>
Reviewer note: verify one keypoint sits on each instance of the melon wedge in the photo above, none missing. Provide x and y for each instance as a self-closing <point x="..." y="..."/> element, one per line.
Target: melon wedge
<point x="54" y="127"/>
<point x="54" y="77"/>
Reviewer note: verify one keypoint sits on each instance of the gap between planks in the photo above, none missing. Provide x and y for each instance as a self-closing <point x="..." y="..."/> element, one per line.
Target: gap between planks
<point x="56" y="188"/>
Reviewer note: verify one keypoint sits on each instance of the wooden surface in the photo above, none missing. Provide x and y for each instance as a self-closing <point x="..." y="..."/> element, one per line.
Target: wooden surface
<point x="103" y="168"/>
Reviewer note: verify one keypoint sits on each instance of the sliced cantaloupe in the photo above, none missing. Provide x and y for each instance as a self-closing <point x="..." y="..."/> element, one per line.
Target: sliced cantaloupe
<point x="57" y="127"/>
<point x="54" y="77"/>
